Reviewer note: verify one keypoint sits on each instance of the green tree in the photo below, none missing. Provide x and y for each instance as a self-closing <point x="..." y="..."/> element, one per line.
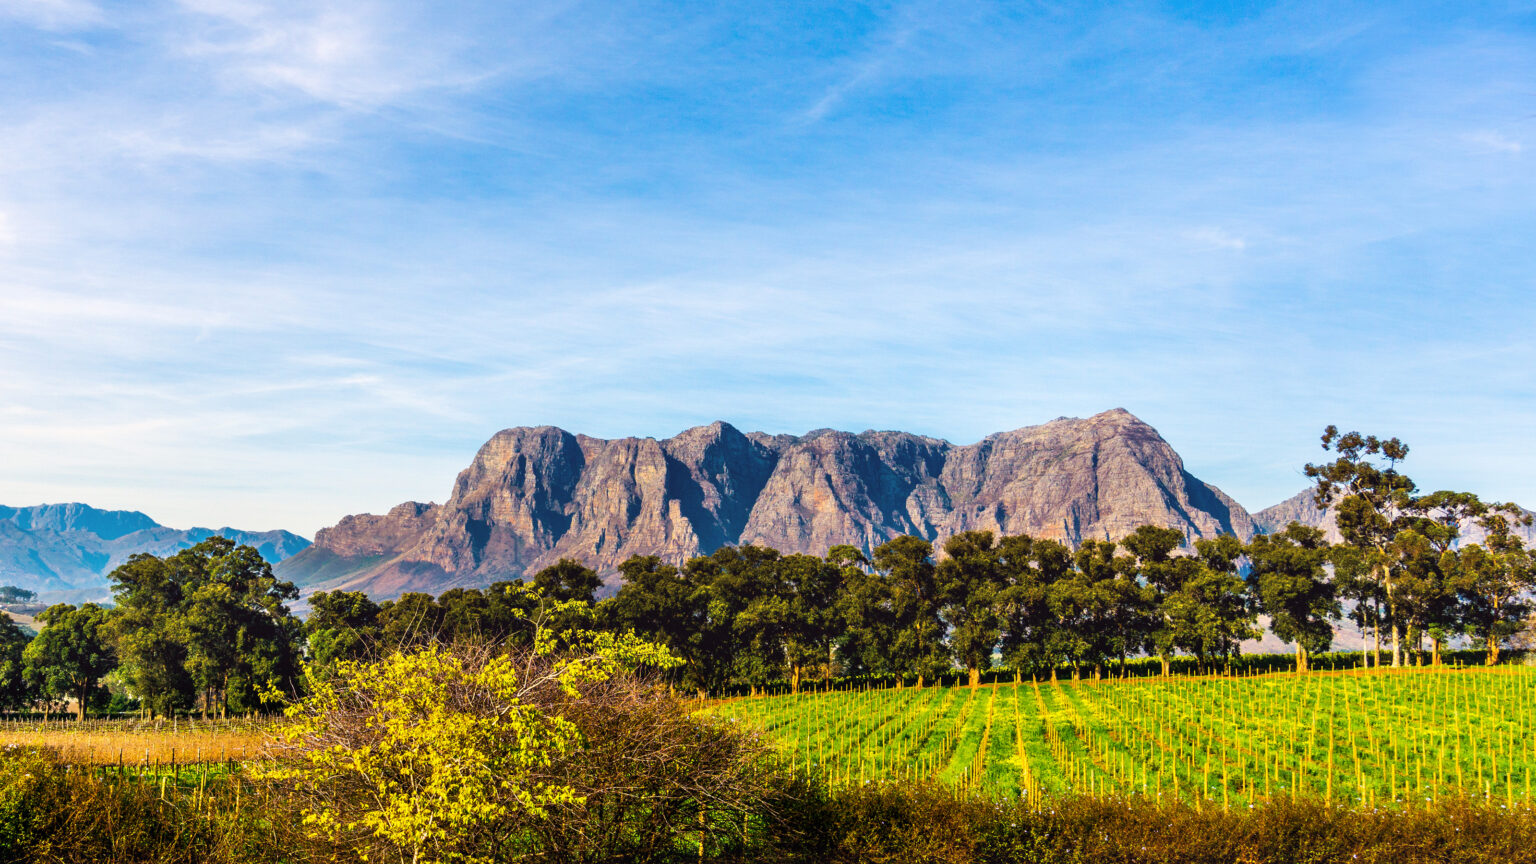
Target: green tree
<point x="1426" y="596"/>
<point x="72" y="652"/>
<point x="1216" y="613"/>
<point x="1288" y="574"/>
<point x="209" y="624"/>
<point x="149" y="593"/>
<point x="1089" y="605"/>
<point x="1495" y="579"/>
<point x="465" y="616"/>
<point x="732" y="641"/>
<point x="1159" y="569"/>
<point x="567" y="580"/>
<point x="342" y="625"/>
<point x="866" y="610"/>
<point x="241" y="639"/>
<point x="15" y="690"/>
<point x="971" y="582"/>
<point x="658" y="603"/>
<point x="796" y="616"/>
<point x="1030" y="567"/>
<point x="1373" y="501"/>
<point x="14" y="594"/>
<point x="410" y="621"/>
<point x="906" y="565"/>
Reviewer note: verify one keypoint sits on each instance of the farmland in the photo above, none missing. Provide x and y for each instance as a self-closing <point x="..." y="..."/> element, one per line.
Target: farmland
<point x="132" y="743"/>
<point x="1360" y="737"/>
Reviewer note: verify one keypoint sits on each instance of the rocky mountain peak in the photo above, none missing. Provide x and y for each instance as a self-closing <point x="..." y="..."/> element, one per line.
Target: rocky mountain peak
<point x="532" y="495"/>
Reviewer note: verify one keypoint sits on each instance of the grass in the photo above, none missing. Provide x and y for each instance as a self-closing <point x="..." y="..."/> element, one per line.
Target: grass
<point x="140" y="743"/>
<point x="1365" y="738"/>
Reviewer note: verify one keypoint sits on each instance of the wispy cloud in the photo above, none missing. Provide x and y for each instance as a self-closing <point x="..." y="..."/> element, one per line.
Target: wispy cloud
<point x="274" y="262"/>
<point x="1219" y="238"/>
<point x="359" y="55"/>
<point x="55" y="15"/>
<point x="1494" y="141"/>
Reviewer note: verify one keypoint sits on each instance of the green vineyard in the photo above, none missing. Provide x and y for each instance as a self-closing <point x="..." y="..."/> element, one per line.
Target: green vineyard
<point x="1363" y="737"/>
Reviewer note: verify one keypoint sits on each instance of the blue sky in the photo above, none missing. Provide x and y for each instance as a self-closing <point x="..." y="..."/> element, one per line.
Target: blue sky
<point x="268" y="263"/>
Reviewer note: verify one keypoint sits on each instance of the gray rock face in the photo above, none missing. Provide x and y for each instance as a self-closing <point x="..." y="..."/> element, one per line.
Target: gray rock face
<point x="1302" y="507"/>
<point x="534" y="495"/>
<point x="65" y="551"/>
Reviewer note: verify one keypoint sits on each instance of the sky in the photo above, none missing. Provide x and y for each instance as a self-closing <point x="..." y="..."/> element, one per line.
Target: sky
<point x="265" y="264"/>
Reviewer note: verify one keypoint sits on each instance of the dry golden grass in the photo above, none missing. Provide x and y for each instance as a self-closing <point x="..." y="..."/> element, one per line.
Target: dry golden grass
<point x="113" y="742"/>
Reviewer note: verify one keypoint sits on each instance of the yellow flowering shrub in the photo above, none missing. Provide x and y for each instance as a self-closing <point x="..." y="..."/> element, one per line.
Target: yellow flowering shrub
<point x="446" y="753"/>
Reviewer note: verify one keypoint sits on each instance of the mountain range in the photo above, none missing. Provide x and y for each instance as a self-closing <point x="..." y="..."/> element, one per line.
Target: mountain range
<point x="533" y="495"/>
<point x="65" y="551"/>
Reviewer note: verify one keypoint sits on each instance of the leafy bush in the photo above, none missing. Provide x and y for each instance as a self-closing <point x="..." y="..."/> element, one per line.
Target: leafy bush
<point x="474" y="753"/>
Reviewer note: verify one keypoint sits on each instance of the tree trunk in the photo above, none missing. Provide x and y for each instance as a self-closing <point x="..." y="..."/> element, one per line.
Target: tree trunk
<point x="1167" y="664"/>
<point x="975" y="675"/>
<point x="1301" y="659"/>
<point x="85" y="690"/>
<point x="1493" y="647"/>
<point x="1397" y="647"/>
<point x="919" y="680"/>
<point x="1435" y="641"/>
<point x="794" y="679"/>
<point x="1376" y="637"/>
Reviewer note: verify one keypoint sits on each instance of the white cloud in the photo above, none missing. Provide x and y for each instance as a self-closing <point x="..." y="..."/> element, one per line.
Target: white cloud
<point x="351" y="54"/>
<point x="1218" y="237"/>
<point x="55" y="15"/>
<point x="1496" y="142"/>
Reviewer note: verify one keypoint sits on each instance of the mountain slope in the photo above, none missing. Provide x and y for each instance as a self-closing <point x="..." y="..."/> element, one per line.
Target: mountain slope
<point x="533" y="495"/>
<point x="1302" y="507"/>
<point x="65" y="551"/>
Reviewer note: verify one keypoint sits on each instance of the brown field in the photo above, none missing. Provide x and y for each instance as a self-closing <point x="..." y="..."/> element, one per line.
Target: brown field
<point x="133" y="742"/>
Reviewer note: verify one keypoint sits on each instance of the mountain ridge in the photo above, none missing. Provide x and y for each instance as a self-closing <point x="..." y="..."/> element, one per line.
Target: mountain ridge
<point x="65" y="551"/>
<point x="534" y="494"/>
<point x="1302" y="507"/>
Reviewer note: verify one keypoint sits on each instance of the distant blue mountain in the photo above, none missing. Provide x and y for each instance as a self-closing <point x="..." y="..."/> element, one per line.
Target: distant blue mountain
<point x="106" y="524"/>
<point x="65" y="551"/>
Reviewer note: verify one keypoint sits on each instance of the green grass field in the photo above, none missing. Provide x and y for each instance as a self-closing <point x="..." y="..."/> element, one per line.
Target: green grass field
<point x="1361" y="737"/>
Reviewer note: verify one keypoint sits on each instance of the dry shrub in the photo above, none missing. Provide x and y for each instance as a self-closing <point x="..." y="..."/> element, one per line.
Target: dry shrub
<point x="923" y="823"/>
<point x="53" y="811"/>
<point x="654" y="779"/>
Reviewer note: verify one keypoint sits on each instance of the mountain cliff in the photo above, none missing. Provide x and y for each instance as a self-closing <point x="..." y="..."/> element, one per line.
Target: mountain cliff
<point x="1302" y="507"/>
<point x="533" y="495"/>
<point x="65" y="551"/>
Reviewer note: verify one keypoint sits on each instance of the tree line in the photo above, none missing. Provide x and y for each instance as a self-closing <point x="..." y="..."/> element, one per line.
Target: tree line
<point x="209" y="628"/>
